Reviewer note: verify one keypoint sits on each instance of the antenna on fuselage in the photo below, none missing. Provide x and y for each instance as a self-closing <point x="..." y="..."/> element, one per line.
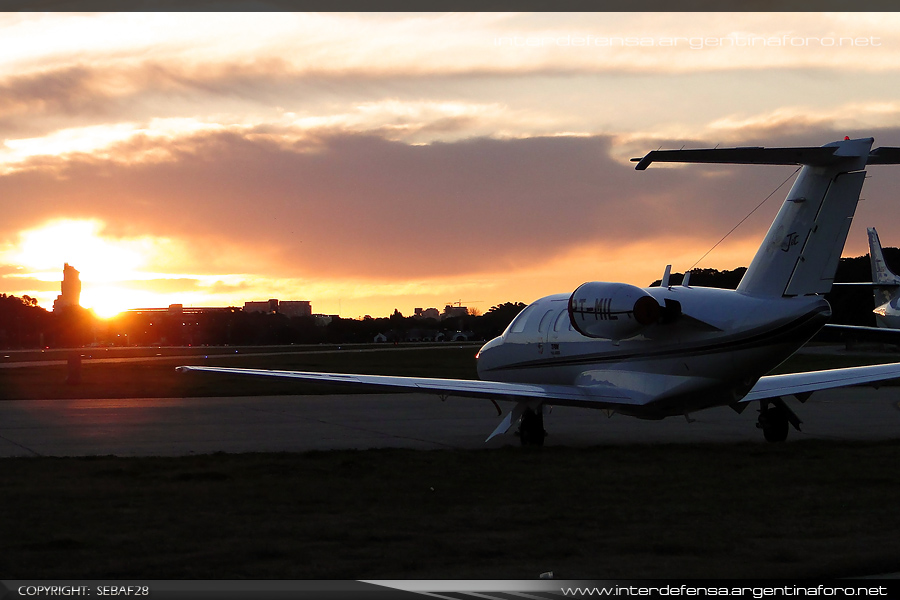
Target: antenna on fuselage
<point x="687" y="279"/>
<point x="665" y="279"/>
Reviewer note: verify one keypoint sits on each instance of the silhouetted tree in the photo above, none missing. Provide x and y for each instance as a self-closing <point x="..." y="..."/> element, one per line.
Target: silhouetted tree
<point x="497" y="319"/>
<point x="23" y="324"/>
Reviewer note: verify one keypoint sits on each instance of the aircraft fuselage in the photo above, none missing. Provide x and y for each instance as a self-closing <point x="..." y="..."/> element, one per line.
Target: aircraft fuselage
<point x="708" y="348"/>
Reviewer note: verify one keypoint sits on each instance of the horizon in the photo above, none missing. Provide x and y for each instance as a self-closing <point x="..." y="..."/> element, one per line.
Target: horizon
<point x="676" y="275"/>
<point x="372" y="162"/>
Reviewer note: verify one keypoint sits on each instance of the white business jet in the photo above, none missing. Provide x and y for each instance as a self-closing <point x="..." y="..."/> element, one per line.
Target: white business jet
<point x="886" y="284"/>
<point x="671" y="350"/>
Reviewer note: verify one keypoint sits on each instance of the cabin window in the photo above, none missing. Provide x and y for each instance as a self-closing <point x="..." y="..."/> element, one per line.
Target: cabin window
<point x="545" y="321"/>
<point x="561" y="321"/>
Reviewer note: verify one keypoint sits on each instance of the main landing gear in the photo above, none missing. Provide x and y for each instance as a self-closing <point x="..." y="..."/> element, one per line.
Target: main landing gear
<point x="531" y="427"/>
<point x="774" y="419"/>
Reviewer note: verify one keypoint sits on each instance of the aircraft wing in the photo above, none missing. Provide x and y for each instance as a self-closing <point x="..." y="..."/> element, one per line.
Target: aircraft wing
<point x="863" y="333"/>
<point x="772" y="386"/>
<point x="840" y="327"/>
<point x="595" y="396"/>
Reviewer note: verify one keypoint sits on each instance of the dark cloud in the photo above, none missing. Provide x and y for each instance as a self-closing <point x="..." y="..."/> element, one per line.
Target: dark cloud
<point x="99" y="91"/>
<point x="361" y="206"/>
<point x="44" y="96"/>
<point x="95" y="93"/>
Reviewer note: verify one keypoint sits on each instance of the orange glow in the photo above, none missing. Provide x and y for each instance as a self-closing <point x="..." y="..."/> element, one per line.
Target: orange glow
<point x="105" y="262"/>
<point x="210" y="159"/>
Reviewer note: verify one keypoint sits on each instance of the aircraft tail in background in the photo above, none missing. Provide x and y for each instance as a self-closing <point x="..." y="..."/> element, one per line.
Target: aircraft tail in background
<point x="881" y="273"/>
<point x="885" y="282"/>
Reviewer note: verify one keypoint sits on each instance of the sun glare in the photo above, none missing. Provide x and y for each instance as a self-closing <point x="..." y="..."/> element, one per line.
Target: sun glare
<point x="81" y="244"/>
<point x="105" y="263"/>
<point x="109" y="300"/>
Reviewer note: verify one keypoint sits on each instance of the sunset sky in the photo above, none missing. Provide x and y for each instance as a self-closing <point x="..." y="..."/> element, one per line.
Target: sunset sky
<point x="368" y="162"/>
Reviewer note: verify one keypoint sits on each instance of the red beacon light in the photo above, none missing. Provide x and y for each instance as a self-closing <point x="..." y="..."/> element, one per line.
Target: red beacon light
<point x="846" y="138"/>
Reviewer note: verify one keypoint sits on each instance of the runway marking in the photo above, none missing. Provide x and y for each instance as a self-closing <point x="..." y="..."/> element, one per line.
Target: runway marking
<point x="14" y="443"/>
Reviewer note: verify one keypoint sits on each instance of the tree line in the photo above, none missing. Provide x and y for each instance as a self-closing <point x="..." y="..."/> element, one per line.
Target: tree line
<point x="25" y="325"/>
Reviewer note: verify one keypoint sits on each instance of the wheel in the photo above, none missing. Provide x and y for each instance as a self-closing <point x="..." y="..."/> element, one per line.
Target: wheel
<point x="531" y="428"/>
<point x="774" y="423"/>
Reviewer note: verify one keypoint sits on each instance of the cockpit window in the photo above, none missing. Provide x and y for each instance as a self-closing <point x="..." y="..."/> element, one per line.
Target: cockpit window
<point x="518" y="324"/>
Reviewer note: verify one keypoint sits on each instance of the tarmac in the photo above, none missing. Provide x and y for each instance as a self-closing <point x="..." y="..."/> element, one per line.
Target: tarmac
<point x="188" y="426"/>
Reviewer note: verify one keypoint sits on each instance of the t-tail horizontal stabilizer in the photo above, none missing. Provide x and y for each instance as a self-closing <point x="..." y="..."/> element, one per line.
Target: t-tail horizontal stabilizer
<point x="818" y="156"/>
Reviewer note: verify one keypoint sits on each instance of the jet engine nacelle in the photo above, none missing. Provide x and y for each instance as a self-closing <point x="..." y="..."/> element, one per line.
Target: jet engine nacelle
<point x="616" y="311"/>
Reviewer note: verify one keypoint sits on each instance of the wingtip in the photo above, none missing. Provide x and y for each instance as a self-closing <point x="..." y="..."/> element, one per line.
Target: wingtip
<point x="642" y="163"/>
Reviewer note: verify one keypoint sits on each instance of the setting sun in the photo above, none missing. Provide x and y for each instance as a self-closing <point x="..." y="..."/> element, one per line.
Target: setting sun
<point x="104" y="262"/>
<point x="108" y="300"/>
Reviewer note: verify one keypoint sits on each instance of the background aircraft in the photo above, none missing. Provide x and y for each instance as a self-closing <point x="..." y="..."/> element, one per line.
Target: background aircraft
<point x="886" y="286"/>
<point x="886" y="290"/>
<point x="672" y="350"/>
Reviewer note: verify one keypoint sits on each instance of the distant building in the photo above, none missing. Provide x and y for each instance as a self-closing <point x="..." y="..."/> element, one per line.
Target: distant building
<point x="289" y="308"/>
<point x="295" y="308"/>
<point x="454" y="311"/>
<point x="264" y="307"/>
<point x="427" y="313"/>
<point x="71" y="289"/>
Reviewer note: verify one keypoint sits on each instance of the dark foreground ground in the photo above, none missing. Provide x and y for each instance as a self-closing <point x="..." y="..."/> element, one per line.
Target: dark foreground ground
<point x="806" y="509"/>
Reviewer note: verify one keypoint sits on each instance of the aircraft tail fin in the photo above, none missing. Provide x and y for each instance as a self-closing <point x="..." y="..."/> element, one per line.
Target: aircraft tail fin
<point x="881" y="273"/>
<point x="884" y="280"/>
<point x="800" y="253"/>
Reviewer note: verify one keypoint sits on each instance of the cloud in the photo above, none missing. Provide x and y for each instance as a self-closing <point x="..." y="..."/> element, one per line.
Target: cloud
<point x="390" y="154"/>
<point x="232" y="217"/>
<point x="232" y="69"/>
<point x="354" y="205"/>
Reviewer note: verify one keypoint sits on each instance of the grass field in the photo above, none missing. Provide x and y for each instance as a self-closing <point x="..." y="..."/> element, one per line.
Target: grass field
<point x="807" y="509"/>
